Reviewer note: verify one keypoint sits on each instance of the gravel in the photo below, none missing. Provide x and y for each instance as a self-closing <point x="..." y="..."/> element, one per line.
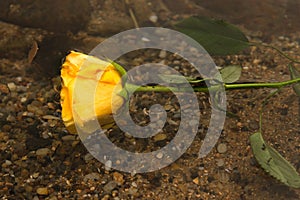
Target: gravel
<point x="222" y="148"/>
<point x="40" y="160"/>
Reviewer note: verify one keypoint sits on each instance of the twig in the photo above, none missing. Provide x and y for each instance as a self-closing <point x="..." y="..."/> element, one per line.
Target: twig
<point x="132" y="15"/>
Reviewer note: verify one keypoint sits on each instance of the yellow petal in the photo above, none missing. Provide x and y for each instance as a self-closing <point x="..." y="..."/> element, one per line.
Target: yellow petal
<point x="95" y="78"/>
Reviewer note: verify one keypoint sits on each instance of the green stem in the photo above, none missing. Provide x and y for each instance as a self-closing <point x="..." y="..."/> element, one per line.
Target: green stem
<point x="157" y="88"/>
<point x="261" y="85"/>
<point x="232" y="86"/>
<point x="276" y="49"/>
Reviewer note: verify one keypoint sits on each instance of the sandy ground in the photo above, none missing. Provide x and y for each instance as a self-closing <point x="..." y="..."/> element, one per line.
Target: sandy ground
<point x="40" y="160"/>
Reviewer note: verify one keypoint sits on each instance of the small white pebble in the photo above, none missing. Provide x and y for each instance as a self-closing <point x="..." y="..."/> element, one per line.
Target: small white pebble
<point x="281" y="38"/>
<point x="108" y="165"/>
<point x="153" y="18"/>
<point x="23" y="99"/>
<point x="133" y="173"/>
<point x="145" y="39"/>
<point x="159" y="155"/>
<point x="162" y="54"/>
<point x="12" y="86"/>
<point x="19" y="79"/>
<point x="134" y="184"/>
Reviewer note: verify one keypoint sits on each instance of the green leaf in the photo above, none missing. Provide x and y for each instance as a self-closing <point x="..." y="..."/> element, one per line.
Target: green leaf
<point x="216" y="36"/>
<point x="273" y="163"/>
<point x="295" y="74"/>
<point x="231" y="73"/>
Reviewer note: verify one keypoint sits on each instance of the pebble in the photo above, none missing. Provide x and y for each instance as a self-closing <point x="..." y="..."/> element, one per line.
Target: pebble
<point x="196" y="180"/>
<point x="220" y="162"/>
<point x="176" y="62"/>
<point x="253" y="125"/>
<point x="23" y="99"/>
<point x="144" y="39"/>
<point x="222" y="148"/>
<point x="34" y="109"/>
<point x="108" y="165"/>
<point x="45" y="135"/>
<point x="21" y="89"/>
<point x="134" y="184"/>
<point x="75" y="143"/>
<point x="88" y="157"/>
<point x="159" y="155"/>
<point x="12" y="86"/>
<point x="114" y="194"/>
<point x="153" y="18"/>
<point x="162" y="54"/>
<point x="42" y="191"/>
<point x="239" y="124"/>
<point x="43" y="152"/>
<point x="106" y="197"/>
<point x="168" y="107"/>
<point x="8" y="162"/>
<point x="91" y="176"/>
<point x="68" y="138"/>
<point x="256" y="61"/>
<point x="281" y="38"/>
<point x="35" y="175"/>
<point x="53" y="198"/>
<point x="132" y="191"/>
<point x="10" y="118"/>
<point x="118" y="177"/>
<point x="110" y="186"/>
<point x="4" y="89"/>
<point x="264" y="67"/>
<point x="223" y="177"/>
<point x="50" y="117"/>
<point x="28" y="188"/>
<point x="160" y="137"/>
<point x="19" y="78"/>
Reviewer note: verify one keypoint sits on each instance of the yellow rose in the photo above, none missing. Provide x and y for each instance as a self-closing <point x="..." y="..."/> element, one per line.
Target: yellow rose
<point x="94" y="76"/>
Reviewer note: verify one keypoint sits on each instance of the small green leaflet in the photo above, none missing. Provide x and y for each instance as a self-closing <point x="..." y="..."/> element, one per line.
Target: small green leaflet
<point x="295" y="74"/>
<point x="120" y="69"/>
<point x="216" y="36"/>
<point x="231" y="73"/>
<point x="273" y="163"/>
<point x="123" y="93"/>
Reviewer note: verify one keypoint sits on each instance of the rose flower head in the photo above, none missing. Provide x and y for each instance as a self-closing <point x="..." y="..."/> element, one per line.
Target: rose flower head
<point x="97" y="84"/>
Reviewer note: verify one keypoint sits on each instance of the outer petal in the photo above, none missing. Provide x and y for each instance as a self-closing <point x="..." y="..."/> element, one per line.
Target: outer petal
<point x="89" y="69"/>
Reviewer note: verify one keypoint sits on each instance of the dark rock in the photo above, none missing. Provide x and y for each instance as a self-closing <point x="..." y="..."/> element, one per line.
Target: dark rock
<point x="33" y="143"/>
<point x="54" y="15"/>
<point x="110" y="186"/>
